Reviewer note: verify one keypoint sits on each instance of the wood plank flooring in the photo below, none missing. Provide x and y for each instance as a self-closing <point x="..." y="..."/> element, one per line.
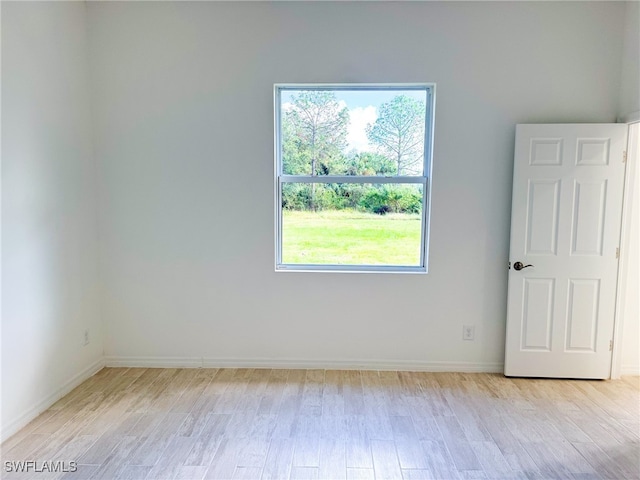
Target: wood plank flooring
<point x="324" y="424"/>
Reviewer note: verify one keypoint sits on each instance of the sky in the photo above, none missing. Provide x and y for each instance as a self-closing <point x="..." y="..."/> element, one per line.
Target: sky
<point x="363" y="108"/>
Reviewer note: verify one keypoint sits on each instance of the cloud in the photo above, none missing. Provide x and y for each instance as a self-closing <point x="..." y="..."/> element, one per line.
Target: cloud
<point x="359" y="119"/>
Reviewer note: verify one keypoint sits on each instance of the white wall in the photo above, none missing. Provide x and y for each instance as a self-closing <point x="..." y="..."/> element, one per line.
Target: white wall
<point x="49" y="247"/>
<point x="184" y="138"/>
<point x="630" y="81"/>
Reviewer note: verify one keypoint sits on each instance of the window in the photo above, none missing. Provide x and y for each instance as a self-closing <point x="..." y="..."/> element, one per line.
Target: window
<point x="352" y="177"/>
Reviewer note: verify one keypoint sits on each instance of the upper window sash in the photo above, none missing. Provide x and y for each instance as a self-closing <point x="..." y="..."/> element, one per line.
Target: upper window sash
<point x="428" y="88"/>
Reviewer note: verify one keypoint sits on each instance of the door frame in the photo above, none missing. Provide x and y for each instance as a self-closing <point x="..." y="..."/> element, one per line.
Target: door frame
<point x="623" y="263"/>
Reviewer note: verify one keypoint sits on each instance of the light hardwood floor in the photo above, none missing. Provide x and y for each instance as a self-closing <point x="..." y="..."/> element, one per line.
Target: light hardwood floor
<point x="327" y="424"/>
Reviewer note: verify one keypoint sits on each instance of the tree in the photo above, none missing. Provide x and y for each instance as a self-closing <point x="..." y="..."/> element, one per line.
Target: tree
<point x="314" y="135"/>
<point x="398" y="132"/>
<point x="368" y="163"/>
<point x="314" y="132"/>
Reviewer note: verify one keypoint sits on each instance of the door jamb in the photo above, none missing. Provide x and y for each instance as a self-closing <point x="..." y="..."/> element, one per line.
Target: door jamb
<point x="618" y="320"/>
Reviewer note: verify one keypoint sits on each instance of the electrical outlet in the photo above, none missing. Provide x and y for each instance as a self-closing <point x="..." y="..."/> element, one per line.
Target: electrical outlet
<point x="86" y="338"/>
<point x="468" y="332"/>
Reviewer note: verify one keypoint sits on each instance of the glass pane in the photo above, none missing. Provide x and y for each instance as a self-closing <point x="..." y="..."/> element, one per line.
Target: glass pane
<point x="353" y="132"/>
<point x="351" y="224"/>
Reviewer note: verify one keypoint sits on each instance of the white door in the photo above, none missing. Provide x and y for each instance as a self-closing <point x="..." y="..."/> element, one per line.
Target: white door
<point x="565" y="232"/>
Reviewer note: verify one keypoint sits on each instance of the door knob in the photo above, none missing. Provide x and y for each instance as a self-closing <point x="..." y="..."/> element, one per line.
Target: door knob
<point x="519" y="266"/>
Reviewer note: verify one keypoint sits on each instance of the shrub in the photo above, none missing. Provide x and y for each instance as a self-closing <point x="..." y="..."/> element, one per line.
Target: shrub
<point x="381" y="210"/>
<point x="296" y="196"/>
<point x="411" y="201"/>
<point x="382" y="199"/>
<point x="379" y="199"/>
<point x="375" y="200"/>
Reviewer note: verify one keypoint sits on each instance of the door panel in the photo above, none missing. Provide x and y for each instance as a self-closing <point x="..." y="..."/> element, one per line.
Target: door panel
<point x="582" y="314"/>
<point x="542" y="217"/>
<point x="566" y="213"/>
<point x="537" y="319"/>
<point x="587" y="226"/>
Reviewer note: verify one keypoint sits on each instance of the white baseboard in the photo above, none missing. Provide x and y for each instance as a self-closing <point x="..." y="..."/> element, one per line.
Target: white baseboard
<point x="154" y="362"/>
<point x="13" y="426"/>
<point x="211" y="362"/>
<point x="630" y="370"/>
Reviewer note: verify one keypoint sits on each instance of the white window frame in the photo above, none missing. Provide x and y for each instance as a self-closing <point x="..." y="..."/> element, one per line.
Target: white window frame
<point x="424" y="180"/>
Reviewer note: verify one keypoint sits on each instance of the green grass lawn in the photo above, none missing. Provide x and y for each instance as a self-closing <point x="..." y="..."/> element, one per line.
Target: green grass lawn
<point x="347" y="237"/>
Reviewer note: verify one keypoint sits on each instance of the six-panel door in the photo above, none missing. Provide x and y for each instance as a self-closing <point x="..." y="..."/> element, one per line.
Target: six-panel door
<point x="565" y="221"/>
